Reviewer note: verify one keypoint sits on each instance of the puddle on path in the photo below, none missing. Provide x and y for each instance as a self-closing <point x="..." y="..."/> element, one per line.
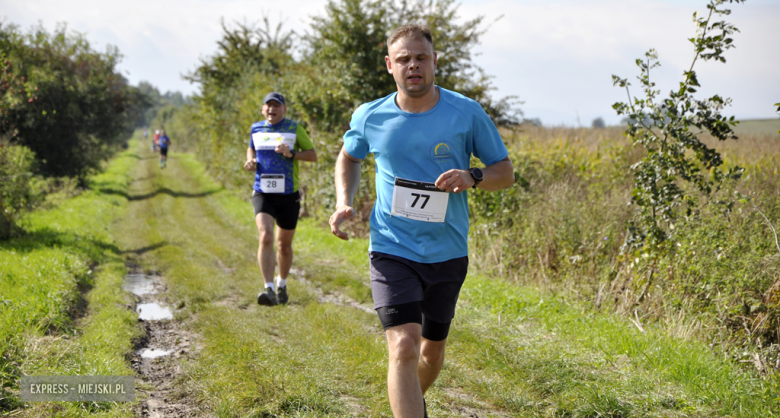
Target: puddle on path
<point x="152" y="353"/>
<point x="153" y="312"/>
<point x="139" y="284"/>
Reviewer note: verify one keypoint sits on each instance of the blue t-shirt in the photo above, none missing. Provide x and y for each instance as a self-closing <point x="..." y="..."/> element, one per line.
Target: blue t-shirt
<point x="269" y="162"/>
<point x="420" y="147"/>
<point x="164" y="141"/>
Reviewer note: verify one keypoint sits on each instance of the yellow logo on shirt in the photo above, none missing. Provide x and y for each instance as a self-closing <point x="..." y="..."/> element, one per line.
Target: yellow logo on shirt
<point x="441" y="152"/>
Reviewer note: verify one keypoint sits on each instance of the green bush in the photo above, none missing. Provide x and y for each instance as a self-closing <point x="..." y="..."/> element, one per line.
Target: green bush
<point x="19" y="188"/>
<point x="63" y="100"/>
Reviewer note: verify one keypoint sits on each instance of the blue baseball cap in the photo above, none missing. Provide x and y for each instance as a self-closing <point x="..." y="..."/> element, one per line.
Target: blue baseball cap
<point x="274" y="96"/>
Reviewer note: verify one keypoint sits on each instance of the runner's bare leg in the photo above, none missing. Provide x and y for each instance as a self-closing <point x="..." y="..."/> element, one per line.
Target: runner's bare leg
<point x="284" y="255"/>
<point x="403" y="386"/>
<point x="266" y="258"/>
<point x="431" y="362"/>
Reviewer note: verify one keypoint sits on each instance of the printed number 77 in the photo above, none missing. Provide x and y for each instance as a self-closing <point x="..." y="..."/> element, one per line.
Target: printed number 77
<point x="417" y="197"/>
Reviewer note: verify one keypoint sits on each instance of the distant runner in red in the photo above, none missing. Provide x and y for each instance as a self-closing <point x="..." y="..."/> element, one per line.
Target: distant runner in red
<point x="155" y="140"/>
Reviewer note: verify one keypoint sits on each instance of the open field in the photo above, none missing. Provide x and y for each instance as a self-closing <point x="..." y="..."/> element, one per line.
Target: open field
<point x="514" y="350"/>
<point x="759" y="126"/>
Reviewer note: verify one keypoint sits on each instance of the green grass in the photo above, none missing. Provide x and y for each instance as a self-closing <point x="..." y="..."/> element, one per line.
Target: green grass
<point x="513" y="351"/>
<point x="61" y="313"/>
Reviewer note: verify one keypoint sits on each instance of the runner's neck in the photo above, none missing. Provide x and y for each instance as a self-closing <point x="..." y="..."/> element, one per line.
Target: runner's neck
<point x="418" y="104"/>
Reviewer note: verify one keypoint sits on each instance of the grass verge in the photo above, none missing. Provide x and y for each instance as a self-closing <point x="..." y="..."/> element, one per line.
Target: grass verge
<point x="61" y="313"/>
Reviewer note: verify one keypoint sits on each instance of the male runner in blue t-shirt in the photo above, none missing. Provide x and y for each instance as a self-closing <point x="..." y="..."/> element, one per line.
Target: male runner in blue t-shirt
<point x="422" y="138"/>
<point x="275" y="147"/>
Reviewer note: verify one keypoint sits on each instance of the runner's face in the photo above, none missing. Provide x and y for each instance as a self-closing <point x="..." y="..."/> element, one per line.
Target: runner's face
<point x="274" y="111"/>
<point x="412" y="62"/>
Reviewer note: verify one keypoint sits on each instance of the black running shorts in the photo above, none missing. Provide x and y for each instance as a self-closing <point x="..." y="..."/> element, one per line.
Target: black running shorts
<point x="398" y="283"/>
<point x="282" y="207"/>
<point x="164" y="152"/>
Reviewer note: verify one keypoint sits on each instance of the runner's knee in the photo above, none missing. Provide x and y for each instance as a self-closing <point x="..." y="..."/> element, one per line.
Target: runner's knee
<point x="284" y="249"/>
<point x="403" y="348"/>
<point x="432" y="353"/>
<point x="266" y="239"/>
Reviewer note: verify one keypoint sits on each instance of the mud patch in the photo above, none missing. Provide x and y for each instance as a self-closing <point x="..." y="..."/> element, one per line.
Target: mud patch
<point x="159" y="355"/>
<point x="158" y="360"/>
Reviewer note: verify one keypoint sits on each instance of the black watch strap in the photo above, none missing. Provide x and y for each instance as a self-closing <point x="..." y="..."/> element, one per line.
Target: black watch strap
<point x="292" y="151"/>
<point x="476" y="174"/>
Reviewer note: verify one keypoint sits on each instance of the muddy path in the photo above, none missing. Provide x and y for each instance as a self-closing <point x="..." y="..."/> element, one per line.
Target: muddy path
<point x="157" y="357"/>
<point x="160" y="356"/>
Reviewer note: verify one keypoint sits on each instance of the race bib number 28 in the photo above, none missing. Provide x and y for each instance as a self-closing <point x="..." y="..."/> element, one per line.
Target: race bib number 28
<point x="272" y="183"/>
<point x="419" y="200"/>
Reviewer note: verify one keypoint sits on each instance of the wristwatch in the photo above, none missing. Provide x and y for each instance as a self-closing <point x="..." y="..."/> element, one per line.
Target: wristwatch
<point x="292" y="151"/>
<point x="476" y="174"/>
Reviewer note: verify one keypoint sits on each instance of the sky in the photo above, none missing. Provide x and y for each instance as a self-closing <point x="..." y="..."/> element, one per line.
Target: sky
<point x="557" y="56"/>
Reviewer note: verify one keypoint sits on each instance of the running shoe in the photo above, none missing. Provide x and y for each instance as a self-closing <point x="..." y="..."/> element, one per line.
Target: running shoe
<point x="282" y="294"/>
<point x="267" y="298"/>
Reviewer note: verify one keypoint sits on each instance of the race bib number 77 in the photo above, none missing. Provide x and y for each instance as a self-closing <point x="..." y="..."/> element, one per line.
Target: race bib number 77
<point x="419" y="200"/>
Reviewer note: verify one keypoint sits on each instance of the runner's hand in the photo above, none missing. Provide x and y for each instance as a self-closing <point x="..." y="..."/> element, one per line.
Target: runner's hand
<point x="282" y="149"/>
<point x="342" y="214"/>
<point x="250" y="165"/>
<point x="456" y="181"/>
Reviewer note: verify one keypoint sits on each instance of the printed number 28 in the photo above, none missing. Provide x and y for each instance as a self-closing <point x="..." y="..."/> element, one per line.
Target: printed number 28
<point x="417" y="197"/>
<point x="272" y="184"/>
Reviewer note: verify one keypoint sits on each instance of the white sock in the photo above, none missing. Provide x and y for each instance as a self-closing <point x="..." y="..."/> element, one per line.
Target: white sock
<point x="270" y="285"/>
<point x="281" y="282"/>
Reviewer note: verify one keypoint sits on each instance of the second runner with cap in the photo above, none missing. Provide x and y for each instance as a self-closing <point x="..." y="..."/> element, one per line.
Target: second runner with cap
<point x="276" y="145"/>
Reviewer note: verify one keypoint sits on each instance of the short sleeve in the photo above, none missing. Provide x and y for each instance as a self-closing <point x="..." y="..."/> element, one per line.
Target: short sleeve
<point x="355" y="143"/>
<point x="302" y="140"/>
<point x="487" y="143"/>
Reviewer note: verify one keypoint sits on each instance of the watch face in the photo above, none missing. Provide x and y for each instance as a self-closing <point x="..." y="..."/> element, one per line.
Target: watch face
<point x="477" y="174"/>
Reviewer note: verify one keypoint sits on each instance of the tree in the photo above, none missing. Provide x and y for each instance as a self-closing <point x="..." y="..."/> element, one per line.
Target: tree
<point x="152" y="102"/>
<point x="243" y="49"/>
<point x="347" y="49"/>
<point x="668" y="130"/>
<point x="598" y="123"/>
<point x="79" y="106"/>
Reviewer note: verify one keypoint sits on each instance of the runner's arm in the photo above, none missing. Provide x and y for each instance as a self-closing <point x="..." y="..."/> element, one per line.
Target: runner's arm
<point x="308" y="155"/>
<point x="251" y="159"/>
<point x="347" y="182"/>
<point x="304" y="155"/>
<point x="496" y="176"/>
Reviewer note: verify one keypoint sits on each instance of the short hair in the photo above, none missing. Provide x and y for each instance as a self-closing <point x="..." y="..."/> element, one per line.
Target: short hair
<point x="414" y="31"/>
